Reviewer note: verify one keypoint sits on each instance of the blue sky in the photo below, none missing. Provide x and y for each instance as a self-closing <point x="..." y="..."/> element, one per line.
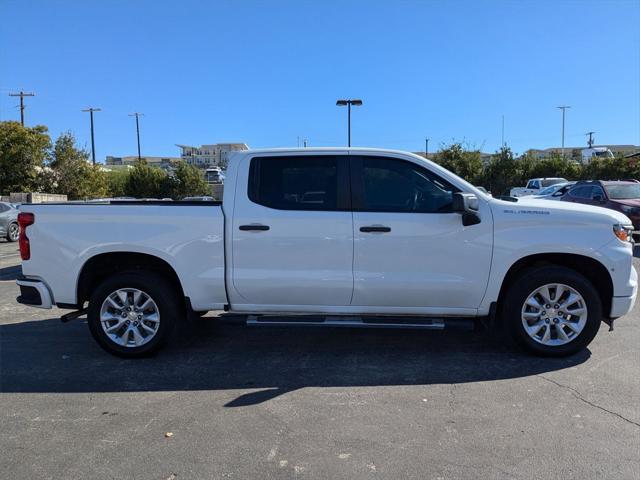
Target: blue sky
<point x="265" y="73"/>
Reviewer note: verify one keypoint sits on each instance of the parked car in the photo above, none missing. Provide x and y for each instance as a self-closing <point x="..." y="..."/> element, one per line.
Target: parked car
<point x="554" y="192"/>
<point x="201" y="198"/>
<point x="9" y="222"/>
<point x="388" y="239"/>
<point x="620" y="195"/>
<point x="535" y="185"/>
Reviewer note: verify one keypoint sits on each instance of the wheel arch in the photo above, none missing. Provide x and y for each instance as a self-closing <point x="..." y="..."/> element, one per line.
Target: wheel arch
<point x="590" y="268"/>
<point x="97" y="268"/>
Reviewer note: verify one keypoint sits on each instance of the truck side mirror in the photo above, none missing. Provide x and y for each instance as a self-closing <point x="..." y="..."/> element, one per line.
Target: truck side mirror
<point x="598" y="198"/>
<point x="467" y="205"/>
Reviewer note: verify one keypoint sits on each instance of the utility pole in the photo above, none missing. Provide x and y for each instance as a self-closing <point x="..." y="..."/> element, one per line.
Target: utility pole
<point x="426" y="147"/>
<point x="22" y="94"/>
<point x="590" y="141"/>
<point x="137" y="114"/>
<point x="93" y="143"/>
<point x="563" y="108"/>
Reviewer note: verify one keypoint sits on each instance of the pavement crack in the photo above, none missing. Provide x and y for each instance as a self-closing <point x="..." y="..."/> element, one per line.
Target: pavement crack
<point x="579" y="396"/>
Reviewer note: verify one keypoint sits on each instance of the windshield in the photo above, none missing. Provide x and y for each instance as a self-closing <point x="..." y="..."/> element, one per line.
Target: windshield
<point x="549" y="190"/>
<point x="623" y="191"/>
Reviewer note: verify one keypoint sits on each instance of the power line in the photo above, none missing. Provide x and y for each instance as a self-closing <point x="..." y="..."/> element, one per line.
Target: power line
<point x="93" y="144"/>
<point x="22" y="94"/>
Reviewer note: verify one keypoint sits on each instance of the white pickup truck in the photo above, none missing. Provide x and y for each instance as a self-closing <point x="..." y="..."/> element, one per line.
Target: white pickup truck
<point x="535" y="186"/>
<point x="337" y="237"/>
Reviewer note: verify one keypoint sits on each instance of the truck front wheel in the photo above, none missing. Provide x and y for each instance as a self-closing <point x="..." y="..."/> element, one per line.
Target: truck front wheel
<point x="133" y="314"/>
<point x="552" y="311"/>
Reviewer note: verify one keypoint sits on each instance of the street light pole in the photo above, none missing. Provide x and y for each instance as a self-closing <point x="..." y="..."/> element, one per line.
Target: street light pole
<point x="137" y="114"/>
<point x="93" y="144"/>
<point x="563" y="108"/>
<point x="348" y="103"/>
<point x="426" y="147"/>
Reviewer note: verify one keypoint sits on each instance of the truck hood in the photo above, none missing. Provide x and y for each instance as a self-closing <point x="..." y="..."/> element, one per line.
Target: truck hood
<point x="541" y="208"/>
<point x="631" y="202"/>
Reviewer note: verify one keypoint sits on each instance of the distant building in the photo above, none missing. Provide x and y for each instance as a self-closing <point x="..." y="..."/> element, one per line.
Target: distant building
<point x="165" y="163"/>
<point x="576" y="152"/>
<point x="207" y="156"/>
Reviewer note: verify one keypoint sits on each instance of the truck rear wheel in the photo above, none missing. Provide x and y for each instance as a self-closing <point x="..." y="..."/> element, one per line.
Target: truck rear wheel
<point x="552" y="311"/>
<point x="132" y="314"/>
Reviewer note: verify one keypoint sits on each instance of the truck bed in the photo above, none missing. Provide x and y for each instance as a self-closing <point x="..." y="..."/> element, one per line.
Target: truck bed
<point x="188" y="236"/>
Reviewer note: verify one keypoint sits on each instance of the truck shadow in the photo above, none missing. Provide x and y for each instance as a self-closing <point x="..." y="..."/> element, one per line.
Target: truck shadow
<point x="10" y="273"/>
<point x="47" y="356"/>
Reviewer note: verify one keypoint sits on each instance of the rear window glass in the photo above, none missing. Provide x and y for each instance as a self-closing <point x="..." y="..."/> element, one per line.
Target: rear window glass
<point x="294" y="183"/>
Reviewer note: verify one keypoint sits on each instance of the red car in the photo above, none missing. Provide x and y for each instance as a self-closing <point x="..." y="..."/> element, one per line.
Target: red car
<point x="621" y="195"/>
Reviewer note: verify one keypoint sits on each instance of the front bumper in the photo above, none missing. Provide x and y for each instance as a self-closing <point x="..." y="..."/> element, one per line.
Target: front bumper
<point x="622" y="305"/>
<point x="34" y="293"/>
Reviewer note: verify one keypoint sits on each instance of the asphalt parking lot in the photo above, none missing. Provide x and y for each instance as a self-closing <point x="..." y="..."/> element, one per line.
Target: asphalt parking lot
<point x="302" y="403"/>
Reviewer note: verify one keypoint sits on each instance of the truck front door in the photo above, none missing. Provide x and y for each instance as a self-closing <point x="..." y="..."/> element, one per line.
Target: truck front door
<point x="411" y="252"/>
<point x="292" y="233"/>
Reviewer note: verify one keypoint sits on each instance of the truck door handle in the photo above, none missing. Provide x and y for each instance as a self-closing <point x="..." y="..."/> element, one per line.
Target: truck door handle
<point x="254" y="227"/>
<point x="375" y="228"/>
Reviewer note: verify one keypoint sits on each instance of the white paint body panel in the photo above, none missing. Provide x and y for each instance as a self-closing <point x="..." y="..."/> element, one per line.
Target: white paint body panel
<point x="305" y="258"/>
<point x="189" y="238"/>
<point x="319" y="262"/>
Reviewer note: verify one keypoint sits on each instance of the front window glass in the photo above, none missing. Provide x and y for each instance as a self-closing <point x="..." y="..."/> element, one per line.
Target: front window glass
<point x="392" y="185"/>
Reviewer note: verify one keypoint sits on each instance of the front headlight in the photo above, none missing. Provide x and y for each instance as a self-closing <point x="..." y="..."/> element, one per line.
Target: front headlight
<point x="623" y="232"/>
<point x="630" y="209"/>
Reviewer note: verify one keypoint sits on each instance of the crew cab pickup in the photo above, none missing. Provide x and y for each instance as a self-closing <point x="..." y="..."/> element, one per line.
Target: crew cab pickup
<point x="535" y="186"/>
<point x="338" y="237"/>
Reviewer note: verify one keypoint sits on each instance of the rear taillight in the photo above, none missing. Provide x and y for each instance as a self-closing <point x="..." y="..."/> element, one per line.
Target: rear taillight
<point x="24" y="220"/>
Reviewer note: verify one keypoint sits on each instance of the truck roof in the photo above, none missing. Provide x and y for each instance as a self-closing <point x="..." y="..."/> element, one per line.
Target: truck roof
<point x="319" y="149"/>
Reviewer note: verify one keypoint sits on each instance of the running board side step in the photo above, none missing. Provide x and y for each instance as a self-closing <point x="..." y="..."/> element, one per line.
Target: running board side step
<point x="425" y="323"/>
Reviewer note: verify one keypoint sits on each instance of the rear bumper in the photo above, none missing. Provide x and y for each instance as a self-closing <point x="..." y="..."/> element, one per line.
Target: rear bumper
<point x="34" y="293"/>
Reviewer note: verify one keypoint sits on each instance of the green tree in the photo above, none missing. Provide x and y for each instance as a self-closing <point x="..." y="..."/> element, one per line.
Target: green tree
<point x="74" y="175"/>
<point x="117" y="182"/>
<point x="464" y="163"/>
<point x="23" y="151"/>
<point x="189" y="181"/>
<point x="504" y="171"/>
<point x="148" y="182"/>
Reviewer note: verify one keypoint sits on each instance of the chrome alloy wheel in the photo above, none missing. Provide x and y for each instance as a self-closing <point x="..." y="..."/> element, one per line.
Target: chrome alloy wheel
<point x="554" y="314"/>
<point x="130" y="317"/>
<point x="14" y="232"/>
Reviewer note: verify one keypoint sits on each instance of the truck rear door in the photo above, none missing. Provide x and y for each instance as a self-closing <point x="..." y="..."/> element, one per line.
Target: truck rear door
<point x="292" y="232"/>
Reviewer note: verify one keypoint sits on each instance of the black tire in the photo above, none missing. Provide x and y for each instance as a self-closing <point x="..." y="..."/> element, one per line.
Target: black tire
<point x="156" y="287"/>
<point x="13" y="231"/>
<point x="526" y="283"/>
